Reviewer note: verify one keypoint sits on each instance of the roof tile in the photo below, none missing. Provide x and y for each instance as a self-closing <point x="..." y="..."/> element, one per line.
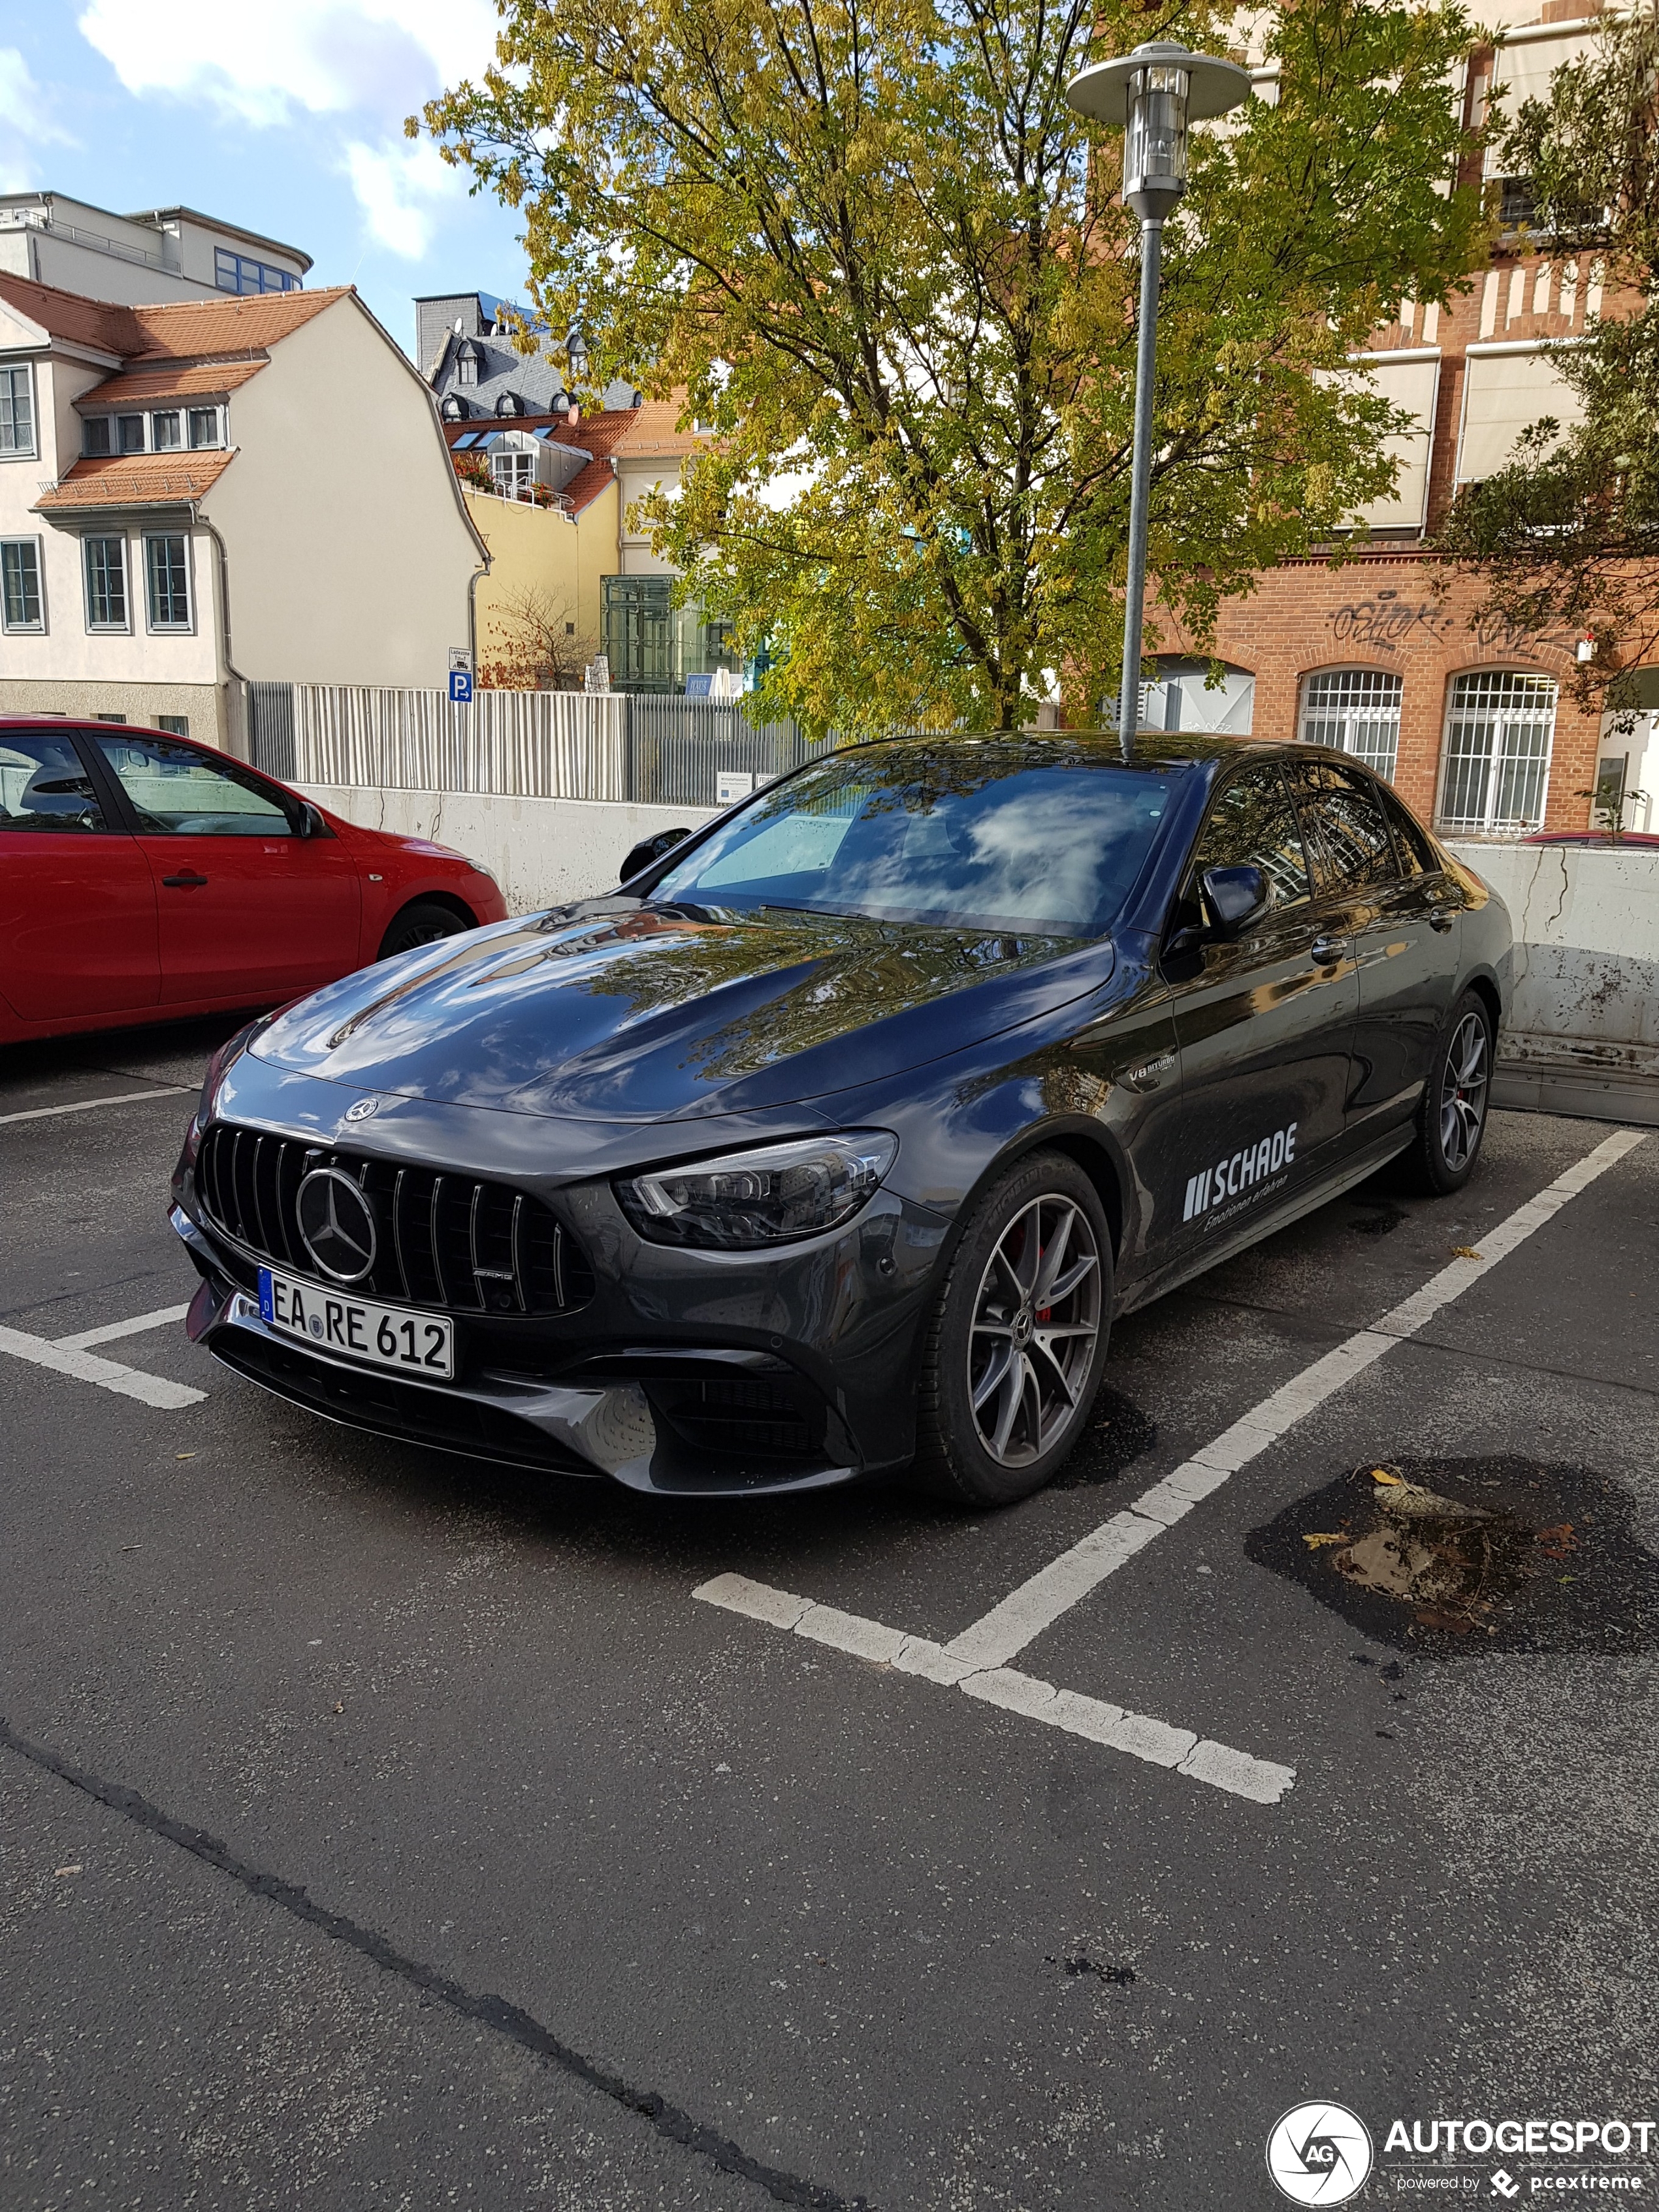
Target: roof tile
<point x="137" y="386"/>
<point x="134" y="480"/>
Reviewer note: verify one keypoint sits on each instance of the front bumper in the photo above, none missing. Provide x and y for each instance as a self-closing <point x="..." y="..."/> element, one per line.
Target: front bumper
<point x="687" y="1373"/>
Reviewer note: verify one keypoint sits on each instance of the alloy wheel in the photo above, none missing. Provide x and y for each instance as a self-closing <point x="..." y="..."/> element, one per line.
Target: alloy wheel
<point x="1463" y="1091"/>
<point x="1037" y="1318"/>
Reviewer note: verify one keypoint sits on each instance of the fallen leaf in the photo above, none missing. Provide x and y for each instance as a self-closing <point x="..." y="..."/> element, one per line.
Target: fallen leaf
<point x="1326" y="1536"/>
<point x="184" y="1455"/>
<point x="339" y="1709"/>
<point x="61" y="1871"/>
<point x="1464" y="1252"/>
<point x="1382" y="1474"/>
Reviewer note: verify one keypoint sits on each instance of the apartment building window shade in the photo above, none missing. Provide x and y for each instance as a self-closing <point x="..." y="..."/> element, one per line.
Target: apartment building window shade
<point x="1495" y="774"/>
<point x="1410" y="386"/>
<point x="1355" y="710"/>
<point x="1504" y="394"/>
<point x="1522" y="70"/>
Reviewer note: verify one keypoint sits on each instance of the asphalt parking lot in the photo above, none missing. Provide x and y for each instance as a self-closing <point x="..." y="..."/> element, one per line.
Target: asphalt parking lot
<point x="382" y="1829"/>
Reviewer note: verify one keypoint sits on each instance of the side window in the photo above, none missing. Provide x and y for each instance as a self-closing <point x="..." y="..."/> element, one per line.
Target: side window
<point x="1252" y="824"/>
<point x="43" y="785"/>
<point x="1416" y="855"/>
<point x="1348" y="841"/>
<point x="179" y="792"/>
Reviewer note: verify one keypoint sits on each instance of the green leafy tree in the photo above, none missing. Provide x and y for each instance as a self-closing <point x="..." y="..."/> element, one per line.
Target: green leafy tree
<point x="884" y="260"/>
<point x="1565" y="538"/>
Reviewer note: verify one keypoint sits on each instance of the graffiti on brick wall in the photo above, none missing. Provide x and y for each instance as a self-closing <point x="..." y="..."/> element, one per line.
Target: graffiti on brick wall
<point x="1386" y="621"/>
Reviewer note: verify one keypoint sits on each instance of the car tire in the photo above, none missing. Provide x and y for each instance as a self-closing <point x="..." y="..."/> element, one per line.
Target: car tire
<point x="1451" y="1115"/>
<point x="423" y="922"/>
<point x="1006" y="1385"/>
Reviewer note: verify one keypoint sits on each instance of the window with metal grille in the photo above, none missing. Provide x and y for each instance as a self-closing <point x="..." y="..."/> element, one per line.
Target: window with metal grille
<point x="1496" y="764"/>
<point x="1355" y="710"/>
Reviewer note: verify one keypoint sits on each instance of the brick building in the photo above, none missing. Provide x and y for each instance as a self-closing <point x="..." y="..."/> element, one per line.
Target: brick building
<point x="1477" y="726"/>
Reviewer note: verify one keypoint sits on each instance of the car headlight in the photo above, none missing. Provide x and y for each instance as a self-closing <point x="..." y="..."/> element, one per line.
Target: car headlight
<point x="772" y="1195"/>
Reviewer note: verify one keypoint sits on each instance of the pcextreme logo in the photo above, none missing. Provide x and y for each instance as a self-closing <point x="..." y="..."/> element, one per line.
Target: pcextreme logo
<point x="1212" y="1186"/>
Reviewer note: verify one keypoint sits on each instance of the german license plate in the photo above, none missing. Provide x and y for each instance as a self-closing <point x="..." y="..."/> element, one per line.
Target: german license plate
<point x="357" y="1328"/>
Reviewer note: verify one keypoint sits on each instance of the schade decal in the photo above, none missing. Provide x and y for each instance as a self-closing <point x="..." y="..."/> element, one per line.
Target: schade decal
<point x="1248" y="1167"/>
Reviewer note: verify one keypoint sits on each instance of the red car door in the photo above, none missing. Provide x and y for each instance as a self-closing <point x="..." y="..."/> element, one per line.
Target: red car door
<point x="249" y="911"/>
<point x="77" y="906"/>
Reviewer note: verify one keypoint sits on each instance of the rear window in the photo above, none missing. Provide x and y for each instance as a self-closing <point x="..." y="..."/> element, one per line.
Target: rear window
<point x="979" y="837"/>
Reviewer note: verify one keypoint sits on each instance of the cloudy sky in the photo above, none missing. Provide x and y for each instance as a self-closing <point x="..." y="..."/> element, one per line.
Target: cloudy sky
<point x="284" y="116"/>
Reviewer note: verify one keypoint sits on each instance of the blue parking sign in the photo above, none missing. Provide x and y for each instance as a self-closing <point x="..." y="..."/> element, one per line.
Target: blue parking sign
<point x="460" y="687"/>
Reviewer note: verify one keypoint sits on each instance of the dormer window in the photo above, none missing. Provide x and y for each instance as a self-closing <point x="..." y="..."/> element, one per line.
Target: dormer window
<point x="509" y="404"/>
<point x="453" y="410"/>
<point x="467" y="364"/>
<point x="94" y="434"/>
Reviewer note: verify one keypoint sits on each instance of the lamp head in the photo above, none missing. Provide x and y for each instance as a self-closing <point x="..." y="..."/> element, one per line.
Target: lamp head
<point x="1156" y="92"/>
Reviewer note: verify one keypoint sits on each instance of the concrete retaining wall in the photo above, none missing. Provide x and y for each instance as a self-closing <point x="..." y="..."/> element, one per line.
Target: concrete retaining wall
<point x="542" y="852"/>
<point x="1582" y="1035"/>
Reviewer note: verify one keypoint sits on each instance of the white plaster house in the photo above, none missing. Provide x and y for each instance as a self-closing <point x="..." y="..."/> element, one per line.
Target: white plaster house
<point x="204" y="493"/>
<point x="161" y="253"/>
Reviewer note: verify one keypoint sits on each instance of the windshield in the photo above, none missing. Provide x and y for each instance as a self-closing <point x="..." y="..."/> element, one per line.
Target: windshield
<point x="1032" y="837"/>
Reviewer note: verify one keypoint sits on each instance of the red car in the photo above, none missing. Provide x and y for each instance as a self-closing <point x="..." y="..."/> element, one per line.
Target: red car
<point x="143" y="877"/>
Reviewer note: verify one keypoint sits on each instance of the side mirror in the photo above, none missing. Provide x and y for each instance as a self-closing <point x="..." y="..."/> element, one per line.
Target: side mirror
<point x="648" y="851"/>
<point x="1233" y="899"/>
<point x="311" y="823"/>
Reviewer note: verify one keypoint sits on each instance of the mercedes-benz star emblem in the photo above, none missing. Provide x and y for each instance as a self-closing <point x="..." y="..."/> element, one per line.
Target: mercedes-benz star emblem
<point x="363" y="1108"/>
<point x="336" y="1224"/>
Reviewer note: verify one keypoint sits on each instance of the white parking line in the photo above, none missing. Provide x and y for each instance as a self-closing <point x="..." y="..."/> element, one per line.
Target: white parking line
<point x="136" y="1326"/>
<point x="107" y="1374"/>
<point x="1261" y="1780"/>
<point x="1036" y="1606"/>
<point x="86" y="1105"/>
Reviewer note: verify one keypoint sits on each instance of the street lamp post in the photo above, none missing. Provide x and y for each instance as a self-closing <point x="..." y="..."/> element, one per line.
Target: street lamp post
<point x="1155" y="93"/>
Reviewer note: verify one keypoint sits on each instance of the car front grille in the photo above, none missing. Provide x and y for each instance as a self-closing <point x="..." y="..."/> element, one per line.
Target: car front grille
<point x="441" y="1241"/>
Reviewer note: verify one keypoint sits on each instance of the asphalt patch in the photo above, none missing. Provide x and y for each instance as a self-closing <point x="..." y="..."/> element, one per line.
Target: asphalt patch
<point x="1118" y="1434"/>
<point x="1574" y="1577"/>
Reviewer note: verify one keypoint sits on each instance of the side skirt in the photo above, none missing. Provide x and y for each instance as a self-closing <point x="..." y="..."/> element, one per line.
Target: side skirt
<point x="1342" y="1178"/>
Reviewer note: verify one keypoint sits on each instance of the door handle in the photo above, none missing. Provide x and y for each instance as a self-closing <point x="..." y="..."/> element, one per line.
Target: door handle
<point x="189" y="881"/>
<point x="1328" y="950"/>
<point x="1440" y="921"/>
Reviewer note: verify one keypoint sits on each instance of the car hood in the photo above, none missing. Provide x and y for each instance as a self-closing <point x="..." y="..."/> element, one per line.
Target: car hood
<point x="652" y="1013"/>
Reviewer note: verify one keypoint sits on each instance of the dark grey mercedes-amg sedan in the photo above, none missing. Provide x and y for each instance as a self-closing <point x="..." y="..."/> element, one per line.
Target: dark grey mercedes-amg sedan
<point x="833" y="1142"/>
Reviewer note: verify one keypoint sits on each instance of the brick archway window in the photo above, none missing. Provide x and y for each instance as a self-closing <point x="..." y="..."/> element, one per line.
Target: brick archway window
<point x="1496" y="764"/>
<point x="1355" y="710"/>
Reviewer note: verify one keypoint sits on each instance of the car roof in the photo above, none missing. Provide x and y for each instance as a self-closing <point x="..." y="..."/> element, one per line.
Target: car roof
<point x="1153" y="749"/>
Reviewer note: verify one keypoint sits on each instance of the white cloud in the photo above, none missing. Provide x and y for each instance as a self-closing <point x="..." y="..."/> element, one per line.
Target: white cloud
<point x="393" y="183"/>
<point x="25" y="122"/>
<point x="259" y="62"/>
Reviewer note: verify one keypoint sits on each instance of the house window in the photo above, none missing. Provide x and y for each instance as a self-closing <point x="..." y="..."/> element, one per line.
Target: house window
<point x="95" y="434"/>
<point x="22" y="602"/>
<point x="107" y="582"/>
<point x="509" y="404"/>
<point x="466" y="365"/>
<point x="235" y="273"/>
<point x="16" y="410"/>
<point x="514" y="474"/>
<point x="132" y="429"/>
<point x="176" y="725"/>
<point x="166" y="576"/>
<point x="1497" y="762"/>
<point x="204" y="426"/>
<point x="166" y="432"/>
<point x="1355" y="710"/>
<point x="454" y="409"/>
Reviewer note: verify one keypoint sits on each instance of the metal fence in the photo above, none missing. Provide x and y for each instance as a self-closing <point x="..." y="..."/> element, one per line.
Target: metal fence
<point x="525" y="744"/>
